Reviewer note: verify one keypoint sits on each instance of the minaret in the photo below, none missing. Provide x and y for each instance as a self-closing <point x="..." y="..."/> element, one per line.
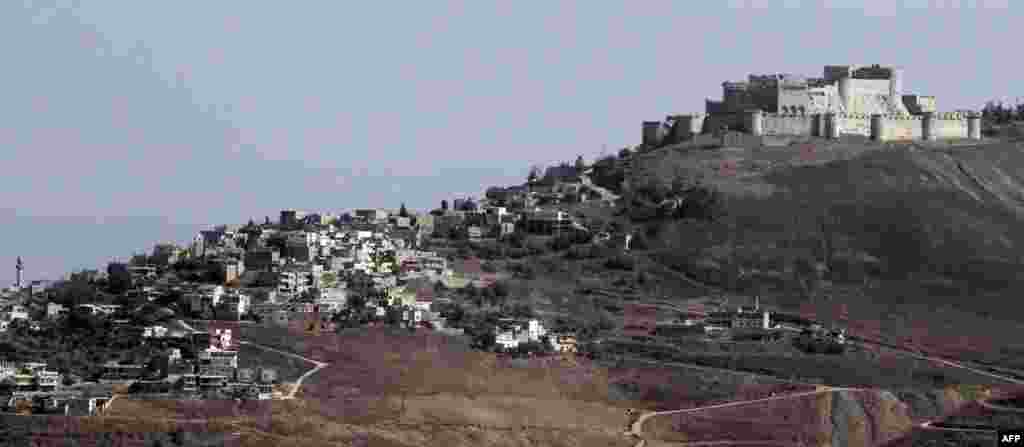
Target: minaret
<point x="19" y="266"/>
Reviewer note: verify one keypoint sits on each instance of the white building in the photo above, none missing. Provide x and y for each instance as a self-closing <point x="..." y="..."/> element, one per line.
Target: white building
<point x="332" y="299"/>
<point x="17" y="312"/>
<point x="53" y="310"/>
<point x="154" y="332"/>
<point x="506" y="340"/>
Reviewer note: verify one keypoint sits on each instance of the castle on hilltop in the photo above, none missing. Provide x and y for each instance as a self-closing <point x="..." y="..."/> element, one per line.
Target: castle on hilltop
<point x="847" y="100"/>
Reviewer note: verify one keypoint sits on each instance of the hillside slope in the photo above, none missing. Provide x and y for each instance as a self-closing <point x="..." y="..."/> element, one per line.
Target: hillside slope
<point x="943" y="220"/>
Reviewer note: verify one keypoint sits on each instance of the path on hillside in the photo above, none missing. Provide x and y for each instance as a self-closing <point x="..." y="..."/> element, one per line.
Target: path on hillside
<point x="715" y="370"/>
<point x="605" y="194"/>
<point x="187" y="326"/>
<point x="636" y="429"/>
<point x="298" y="383"/>
<point x="987" y="403"/>
<point x="930" y="425"/>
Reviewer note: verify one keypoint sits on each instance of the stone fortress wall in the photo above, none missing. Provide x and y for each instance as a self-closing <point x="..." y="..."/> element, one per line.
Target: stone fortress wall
<point x="848" y="100"/>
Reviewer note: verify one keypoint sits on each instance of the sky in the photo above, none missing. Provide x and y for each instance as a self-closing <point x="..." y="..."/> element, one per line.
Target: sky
<point x="190" y="113"/>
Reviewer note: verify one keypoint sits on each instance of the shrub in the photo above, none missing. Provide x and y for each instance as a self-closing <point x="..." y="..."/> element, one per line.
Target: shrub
<point x="620" y="262"/>
<point x="536" y="247"/>
<point x="578" y="252"/>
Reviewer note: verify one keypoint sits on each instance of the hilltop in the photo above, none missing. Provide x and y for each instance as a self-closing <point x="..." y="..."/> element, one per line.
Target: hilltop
<point x="911" y="237"/>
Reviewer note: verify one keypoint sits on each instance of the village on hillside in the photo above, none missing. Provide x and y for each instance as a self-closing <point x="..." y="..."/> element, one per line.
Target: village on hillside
<point x="127" y="331"/>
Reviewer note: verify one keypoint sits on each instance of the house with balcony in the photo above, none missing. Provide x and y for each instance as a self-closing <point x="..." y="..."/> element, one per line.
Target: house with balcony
<point x="546" y="222"/>
<point x="332" y="300"/>
<point x="237" y="303"/>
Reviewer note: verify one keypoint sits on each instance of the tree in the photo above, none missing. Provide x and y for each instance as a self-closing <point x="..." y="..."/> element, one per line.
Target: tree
<point x="357" y="302"/>
<point x="534" y="174"/>
<point x="484" y="340"/>
<point x="444" y="205"/>
<point x="266" y="220"/>
<point x="402" y="212"/>
<point x="625" y="153"/>
<point x="328" y="279"/>
<point x="118" y="277"/>
<point x="580" y="165"/>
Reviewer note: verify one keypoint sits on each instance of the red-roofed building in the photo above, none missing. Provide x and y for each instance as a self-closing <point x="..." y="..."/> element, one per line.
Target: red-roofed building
<point x="472" y="268"/>
<point x="424" y="297"/>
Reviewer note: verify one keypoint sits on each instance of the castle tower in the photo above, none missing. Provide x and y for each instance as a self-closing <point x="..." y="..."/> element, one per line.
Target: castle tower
<point x="652" y="132"/>
<point x="832" y="125"/>
<point x="754" y="121"/>
<point x="974" y="126"/>
<point x="18" y="267"/>
<point x="896" y="88"/>
<point x="928" y="126"/>
<point x="844" y="94"/>
<point x="877" y="127"/>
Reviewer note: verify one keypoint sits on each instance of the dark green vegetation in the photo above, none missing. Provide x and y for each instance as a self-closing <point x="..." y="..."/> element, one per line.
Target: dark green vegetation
<point x="80" y="344"/>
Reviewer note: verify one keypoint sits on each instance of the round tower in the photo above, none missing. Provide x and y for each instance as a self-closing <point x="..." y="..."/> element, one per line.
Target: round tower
<point x="895" y="86"/>
<point x="974" y="126"/>
<point x="832" y="125"/>
<point x="755" y="122"/>
<point x="844" y="93"/>
<point x="928" y="126"/>
<point x="877" y="127"/>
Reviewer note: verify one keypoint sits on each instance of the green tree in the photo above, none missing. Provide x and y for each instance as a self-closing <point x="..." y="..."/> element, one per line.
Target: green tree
<point x="328" y="279"/>
<point x="119" y="279"/>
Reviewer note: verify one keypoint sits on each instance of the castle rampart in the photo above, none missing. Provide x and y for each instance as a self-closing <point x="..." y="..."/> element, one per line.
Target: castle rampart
<point x="848" y="100"/>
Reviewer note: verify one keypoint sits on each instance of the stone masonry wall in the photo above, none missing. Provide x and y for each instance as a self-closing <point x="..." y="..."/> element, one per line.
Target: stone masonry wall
<point x="898" y="128"/>
<point x="779" y="124"/>
<point x="950" y="125"/>
<point x="854" y="124"/>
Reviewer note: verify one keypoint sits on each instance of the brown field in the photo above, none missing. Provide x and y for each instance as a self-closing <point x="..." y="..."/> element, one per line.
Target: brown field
<point x="452" y="396"/>
<point x="806" y="419"/>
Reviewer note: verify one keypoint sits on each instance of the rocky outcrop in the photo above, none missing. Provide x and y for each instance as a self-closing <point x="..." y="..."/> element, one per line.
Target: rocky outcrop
<point x="871" y="417"/>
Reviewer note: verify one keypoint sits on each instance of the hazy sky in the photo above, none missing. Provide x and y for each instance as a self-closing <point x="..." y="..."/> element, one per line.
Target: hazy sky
<point x="215" y="111"/>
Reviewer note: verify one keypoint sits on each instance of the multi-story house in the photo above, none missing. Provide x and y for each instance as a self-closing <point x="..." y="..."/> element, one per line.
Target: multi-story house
<point x="154" y="332"/>
<point x="332" y="300"/>
<point x="296" y="279"/>
<point x="546" y="221"/>
<point x="203" y="297"/>
<point x="262" y="259"/>
<point x="238" y="303"/>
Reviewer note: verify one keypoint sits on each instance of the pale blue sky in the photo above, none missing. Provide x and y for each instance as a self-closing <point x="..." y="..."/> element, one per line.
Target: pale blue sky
<point x="204" y="112"/>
